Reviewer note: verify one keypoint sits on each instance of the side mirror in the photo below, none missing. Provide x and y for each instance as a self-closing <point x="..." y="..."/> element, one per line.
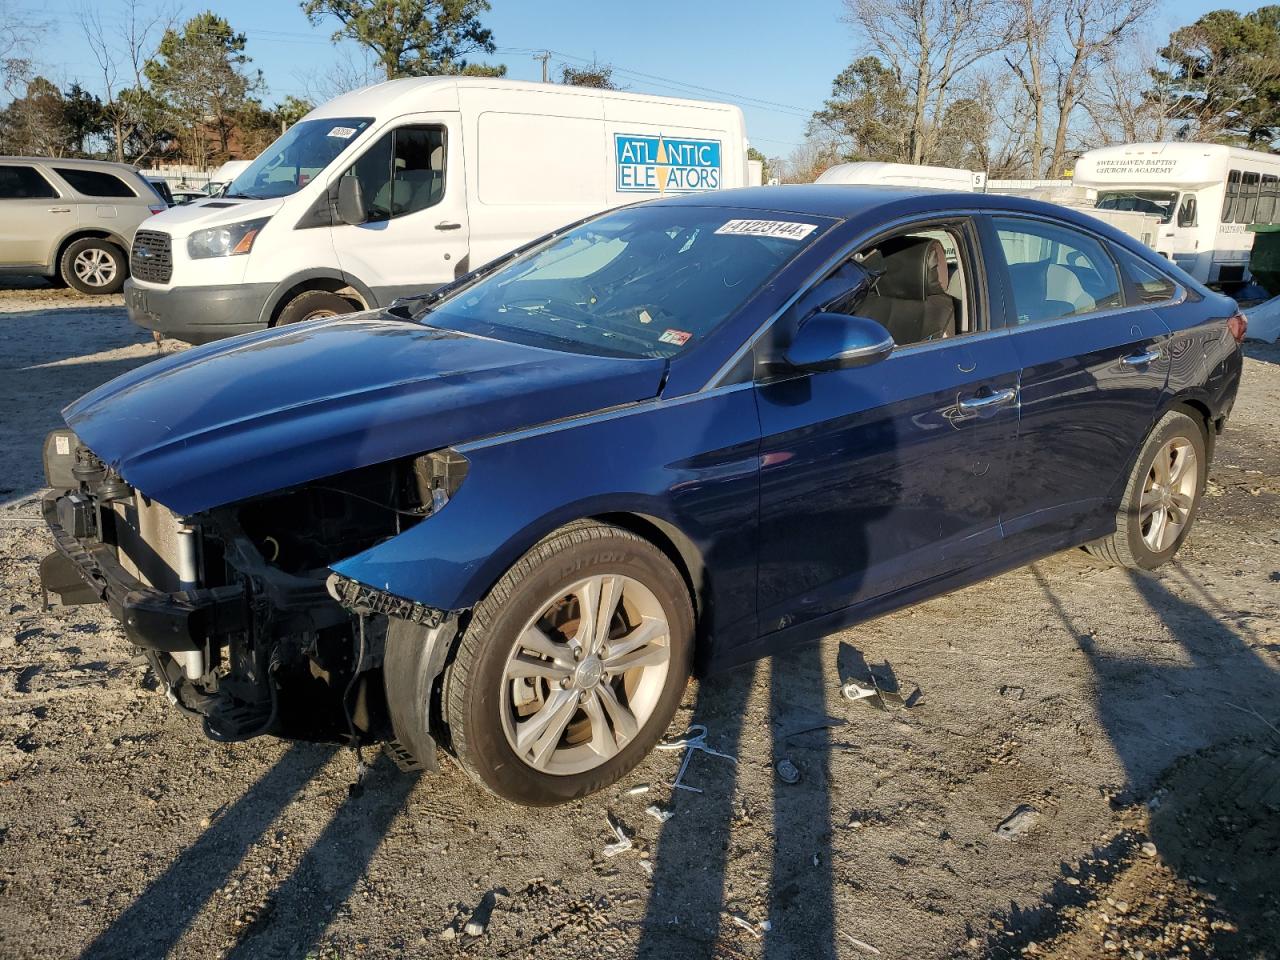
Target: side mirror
<point x="351" y="208"/>
<point x="835" y="341"/>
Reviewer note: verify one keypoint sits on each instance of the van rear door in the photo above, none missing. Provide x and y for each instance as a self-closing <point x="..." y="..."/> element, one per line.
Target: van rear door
<point x="416" y="234"/>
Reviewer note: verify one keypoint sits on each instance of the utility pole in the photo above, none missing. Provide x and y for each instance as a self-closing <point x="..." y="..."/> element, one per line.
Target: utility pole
<point x="544" y="56"/>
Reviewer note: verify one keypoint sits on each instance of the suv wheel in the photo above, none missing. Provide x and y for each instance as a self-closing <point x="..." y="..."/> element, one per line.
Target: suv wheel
<point x="570" y="669"/>
<point x="94" y="266"/>
<point x="1162" y="497"/>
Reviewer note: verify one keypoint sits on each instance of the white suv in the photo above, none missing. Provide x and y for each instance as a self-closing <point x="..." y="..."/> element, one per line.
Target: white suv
<point x="72" y="220"/>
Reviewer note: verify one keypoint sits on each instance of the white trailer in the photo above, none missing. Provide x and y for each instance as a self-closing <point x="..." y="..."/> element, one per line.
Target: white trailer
<point x="1204" y="194"/>
<point x="905" y="175"/>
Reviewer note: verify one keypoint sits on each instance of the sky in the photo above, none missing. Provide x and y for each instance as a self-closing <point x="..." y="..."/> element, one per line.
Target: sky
<point x="775" y="60"/>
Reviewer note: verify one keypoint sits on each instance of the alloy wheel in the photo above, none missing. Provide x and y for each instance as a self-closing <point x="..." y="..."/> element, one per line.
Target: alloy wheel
<point x="585" y="674"/>
<point x="1168" y="494"/>
<point x="94" y="267"/>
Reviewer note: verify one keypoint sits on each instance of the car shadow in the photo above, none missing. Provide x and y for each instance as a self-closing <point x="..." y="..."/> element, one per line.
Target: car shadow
<point x="302" y="905"/>
<point x="1195" y="749"/>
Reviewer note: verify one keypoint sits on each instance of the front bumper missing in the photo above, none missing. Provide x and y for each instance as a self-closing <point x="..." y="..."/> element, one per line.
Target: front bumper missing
<point x="82" y="571"/>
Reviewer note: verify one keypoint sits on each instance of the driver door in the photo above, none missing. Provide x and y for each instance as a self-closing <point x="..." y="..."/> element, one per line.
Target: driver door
<point x="416" y="235"/>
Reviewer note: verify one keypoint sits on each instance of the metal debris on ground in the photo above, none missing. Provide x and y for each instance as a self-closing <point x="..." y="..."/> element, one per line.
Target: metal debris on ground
<point x="880" y="686"/>
<point x="1018" y="823"/>
<point x="757" y="930"/>
<point x="864" y="947"/>
<point x="655" y="811"/>
<point x="694" y="739"/>
<point x="637" y="790"/>
<point x="622" y="844"/>
<point x="787" y="771"/>
<point x="1013" y="692"/>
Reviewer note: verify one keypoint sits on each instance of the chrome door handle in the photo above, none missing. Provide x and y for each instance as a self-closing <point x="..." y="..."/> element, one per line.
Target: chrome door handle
<point x="59" y="209"/>
<point x="446" y="225"/>
<point x="1141" y="359"/>
<point x="974" y="404"/>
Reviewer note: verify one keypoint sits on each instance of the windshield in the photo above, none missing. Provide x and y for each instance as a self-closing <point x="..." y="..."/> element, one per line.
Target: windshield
<point x="292" y="161"/>
<point x="638" y="282"/>
<point x="1160" y="202"/>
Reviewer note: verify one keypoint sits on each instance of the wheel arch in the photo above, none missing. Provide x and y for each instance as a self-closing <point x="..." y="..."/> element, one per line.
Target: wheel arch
<point x="331" y="281"/>
<point x="88" y="233"/>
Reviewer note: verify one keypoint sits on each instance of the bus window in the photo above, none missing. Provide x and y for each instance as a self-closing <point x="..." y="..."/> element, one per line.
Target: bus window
<point x="1233" y="195"/>
<point x="1161" y="203"/>
<point x="1267" y="200"/>
<point x="1187" y="212"/>
<point x="1249" y="190"/>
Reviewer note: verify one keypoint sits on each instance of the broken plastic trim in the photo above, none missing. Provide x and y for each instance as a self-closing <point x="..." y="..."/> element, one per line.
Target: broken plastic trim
<point x="362" y="599"/>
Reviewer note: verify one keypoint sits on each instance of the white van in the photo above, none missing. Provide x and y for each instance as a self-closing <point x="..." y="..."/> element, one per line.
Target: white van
<point x="905" y="175"/>
<point x="398" y="188"/>
<point x="1204" y="194"/>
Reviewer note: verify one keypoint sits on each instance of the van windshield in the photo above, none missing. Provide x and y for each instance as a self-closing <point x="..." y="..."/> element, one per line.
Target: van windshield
<point x="1162" y="203"/>
<point x="294" y="160"/>
<point x="638" y="282"/>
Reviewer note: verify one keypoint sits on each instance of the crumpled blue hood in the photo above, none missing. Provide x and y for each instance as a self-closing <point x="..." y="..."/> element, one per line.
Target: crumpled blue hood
<point x="246" y="416"/>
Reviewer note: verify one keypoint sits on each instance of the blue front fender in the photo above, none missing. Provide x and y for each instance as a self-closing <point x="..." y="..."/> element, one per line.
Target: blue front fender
<point x="692" y="462"/>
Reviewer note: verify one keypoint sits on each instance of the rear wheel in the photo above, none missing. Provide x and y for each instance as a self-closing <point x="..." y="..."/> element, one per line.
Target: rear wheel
<point x="571" y="668"/>
<point x="93" y="266"/>
<point x="314" y="305"/>
<point x="1162" y="498"/>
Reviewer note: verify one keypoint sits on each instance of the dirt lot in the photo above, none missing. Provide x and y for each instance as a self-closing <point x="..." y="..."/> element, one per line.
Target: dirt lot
<point x="1132" y="723"/>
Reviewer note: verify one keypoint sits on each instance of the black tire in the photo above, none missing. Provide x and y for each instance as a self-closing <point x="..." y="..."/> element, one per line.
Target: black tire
<point x="1126" y="547"/>
<point x="473" y="680"/>
<point x="312" y="305"/>
<point x="113" y="270"/>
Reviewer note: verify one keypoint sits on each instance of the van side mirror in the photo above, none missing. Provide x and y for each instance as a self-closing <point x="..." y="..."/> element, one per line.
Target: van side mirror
<point x="350" y="206"/>
<point x="836" y="341"/>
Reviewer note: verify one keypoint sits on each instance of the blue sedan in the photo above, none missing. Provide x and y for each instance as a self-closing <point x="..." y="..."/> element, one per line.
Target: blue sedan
<point x="520" y="510"/>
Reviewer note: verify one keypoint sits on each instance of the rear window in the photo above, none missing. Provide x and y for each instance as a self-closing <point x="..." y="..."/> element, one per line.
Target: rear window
<point x="24" y="183"/>
<point x="95" y="183"/>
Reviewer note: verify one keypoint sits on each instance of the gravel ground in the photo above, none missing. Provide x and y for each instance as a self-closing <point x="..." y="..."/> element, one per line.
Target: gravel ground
<point x="1124" y="729"/>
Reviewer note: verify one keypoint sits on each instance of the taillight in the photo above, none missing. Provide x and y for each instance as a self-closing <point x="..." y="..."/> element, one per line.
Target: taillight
<point x="157" y="208"/>
<point x="1238" y="326"/>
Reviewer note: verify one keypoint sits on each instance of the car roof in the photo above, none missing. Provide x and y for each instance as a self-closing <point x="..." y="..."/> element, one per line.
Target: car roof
<point x="845" y="201"/>
<point x="73" y="163"/>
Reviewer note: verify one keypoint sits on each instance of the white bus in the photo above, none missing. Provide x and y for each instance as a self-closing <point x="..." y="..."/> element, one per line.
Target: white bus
<point x="1205" y="195"/>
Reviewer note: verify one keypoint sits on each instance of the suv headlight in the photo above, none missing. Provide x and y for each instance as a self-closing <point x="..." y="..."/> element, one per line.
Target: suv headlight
<point x="231" y="240"/>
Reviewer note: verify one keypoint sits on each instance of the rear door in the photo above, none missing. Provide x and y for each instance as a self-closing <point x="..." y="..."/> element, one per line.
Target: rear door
<point x="1093" y="371"/>
<point x="32" y="216"/>
<point x="416" y="237"/>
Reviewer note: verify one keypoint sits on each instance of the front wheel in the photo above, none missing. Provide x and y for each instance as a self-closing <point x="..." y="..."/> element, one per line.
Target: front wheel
<point x="1162" y="498"/>
<point x="314" y="305"/>
<point x="571" y="668"/>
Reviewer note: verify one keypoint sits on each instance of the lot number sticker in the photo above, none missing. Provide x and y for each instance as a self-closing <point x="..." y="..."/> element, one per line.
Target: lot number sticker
<point x="783" y="229"/>
<point x="343" y="133"/>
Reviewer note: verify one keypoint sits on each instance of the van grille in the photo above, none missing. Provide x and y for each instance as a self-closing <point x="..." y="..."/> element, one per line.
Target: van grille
<point x="152" y="256"/>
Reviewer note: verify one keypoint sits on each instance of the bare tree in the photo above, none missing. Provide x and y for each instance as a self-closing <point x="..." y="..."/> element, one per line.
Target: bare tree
<point x="929" y="44"/>
<point x="1124" y="105"/>
<point x="18" y="36"/>
<point x="350" y="71"/>
<point x="121" y="52"/>
<point x="1058" y="47"/>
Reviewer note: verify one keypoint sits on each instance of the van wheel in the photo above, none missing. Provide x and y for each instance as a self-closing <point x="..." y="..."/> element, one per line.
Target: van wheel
<point x="314" y="305"/>
<point x="1162" y="497"/>
<point x="94" y="266"/>
<point x="571" y="667"/>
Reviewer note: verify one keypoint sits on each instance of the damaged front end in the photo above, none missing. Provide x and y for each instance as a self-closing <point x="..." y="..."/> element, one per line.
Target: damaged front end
<point x="236" y="607"/>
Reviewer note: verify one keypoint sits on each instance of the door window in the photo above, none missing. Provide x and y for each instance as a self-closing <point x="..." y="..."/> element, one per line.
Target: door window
<point x="919" y="289"/>
<point x="24" y="183"/>
<point x="1055" y="271"/>
<point x="402" y="173"/>
<point x="95" y="183"/>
